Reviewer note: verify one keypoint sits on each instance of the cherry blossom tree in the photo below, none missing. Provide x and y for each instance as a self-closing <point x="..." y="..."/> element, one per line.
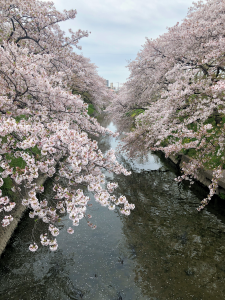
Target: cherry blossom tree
<point x="175" y="94"/>
<point x="44" y="127"/>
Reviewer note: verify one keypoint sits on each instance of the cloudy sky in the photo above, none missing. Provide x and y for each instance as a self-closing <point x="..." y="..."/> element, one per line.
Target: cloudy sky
<point x="118" y="29"/>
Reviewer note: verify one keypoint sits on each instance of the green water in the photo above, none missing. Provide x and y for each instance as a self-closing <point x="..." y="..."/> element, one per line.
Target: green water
<point x="164" y="250"/>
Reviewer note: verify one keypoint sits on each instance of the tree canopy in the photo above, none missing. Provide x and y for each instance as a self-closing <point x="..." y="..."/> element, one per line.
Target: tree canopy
<point x="173" y="100"/>
<point x="44" y="127"/>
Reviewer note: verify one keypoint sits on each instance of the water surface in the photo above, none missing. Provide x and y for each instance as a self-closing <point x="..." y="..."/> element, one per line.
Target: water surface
<point x="164" y="250"/>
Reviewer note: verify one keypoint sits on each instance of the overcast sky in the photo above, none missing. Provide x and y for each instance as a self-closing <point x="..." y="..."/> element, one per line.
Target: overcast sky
<point x="118" y="29"/>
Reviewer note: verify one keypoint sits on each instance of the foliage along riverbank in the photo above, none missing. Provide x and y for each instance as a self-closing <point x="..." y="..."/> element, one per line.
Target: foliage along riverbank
<point x="175" y="92"/>
<point x="18" y="194"/>
<point x="45" y="124"/>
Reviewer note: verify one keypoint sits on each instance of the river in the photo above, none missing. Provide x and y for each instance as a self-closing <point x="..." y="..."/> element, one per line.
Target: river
<point x="165" y="250"/>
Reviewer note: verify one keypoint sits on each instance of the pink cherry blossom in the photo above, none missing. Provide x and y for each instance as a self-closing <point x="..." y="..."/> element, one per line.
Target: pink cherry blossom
<point x="33" y="247"/>
<point x="42" y="121"/>
<point x="70" y="230"/>
<point x="173" y="100"/>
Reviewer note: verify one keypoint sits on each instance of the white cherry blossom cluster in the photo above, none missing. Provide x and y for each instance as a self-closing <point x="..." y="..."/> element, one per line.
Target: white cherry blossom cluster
<point x="173" y="100"/>
<point x="5" y="207"/>
<point x="6" y="220"/>
<point x="44" y="126"/>
<point x="217" y="174"/>
<point x="111" y="186"/>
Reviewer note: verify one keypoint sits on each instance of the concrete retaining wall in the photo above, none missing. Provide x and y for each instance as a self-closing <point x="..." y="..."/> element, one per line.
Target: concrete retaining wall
<point x="17" y="213"/>
<point x="204" y="176"/>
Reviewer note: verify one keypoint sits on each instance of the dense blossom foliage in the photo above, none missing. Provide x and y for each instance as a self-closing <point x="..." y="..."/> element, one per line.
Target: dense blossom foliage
<point x="44" y="127"/>
<point x="174" y="98"/>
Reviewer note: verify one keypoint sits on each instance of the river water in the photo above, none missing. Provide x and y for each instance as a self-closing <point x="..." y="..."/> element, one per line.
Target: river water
<point x="164" y="250"/>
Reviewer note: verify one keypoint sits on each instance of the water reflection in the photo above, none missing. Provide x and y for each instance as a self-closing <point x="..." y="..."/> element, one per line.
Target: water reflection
<point x="179" y="253"/>
<point x="164" y="250"/>
<point x="25" y="276"/>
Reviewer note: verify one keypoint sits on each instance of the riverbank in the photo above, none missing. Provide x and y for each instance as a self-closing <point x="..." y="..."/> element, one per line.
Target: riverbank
<point x="17" y="213"/>
<point x="204" y="176"/>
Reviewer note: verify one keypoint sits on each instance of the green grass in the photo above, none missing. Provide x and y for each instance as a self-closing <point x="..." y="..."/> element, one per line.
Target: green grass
<point x="222" y="196"/>
<point x="91" y="109"/>
<point x="134" y="112"/>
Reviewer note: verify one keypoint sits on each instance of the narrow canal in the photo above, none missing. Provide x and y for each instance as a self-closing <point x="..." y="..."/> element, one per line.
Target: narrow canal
<point x="164" y="250"/>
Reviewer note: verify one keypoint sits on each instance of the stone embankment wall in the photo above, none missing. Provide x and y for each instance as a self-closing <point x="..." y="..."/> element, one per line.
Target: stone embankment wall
<point x="204" y="176"/>
<point x="17" y="213"/>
